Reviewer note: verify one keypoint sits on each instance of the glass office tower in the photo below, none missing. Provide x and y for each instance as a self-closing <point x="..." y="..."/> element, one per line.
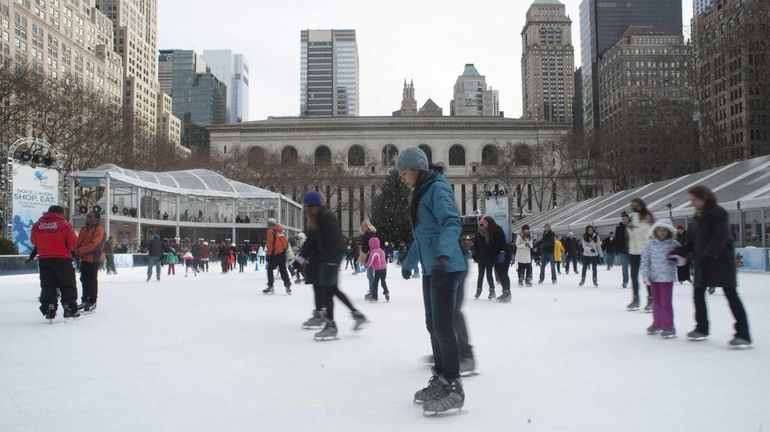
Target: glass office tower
<point x="329" y="73"/>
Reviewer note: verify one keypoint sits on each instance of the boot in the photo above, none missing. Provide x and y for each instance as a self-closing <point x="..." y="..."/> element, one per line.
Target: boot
<point x="452" y="401"/>
<point x="652" y="330"/>
<point x="697" y="336"/>
<point x="329" y="332"/>
<point x="478" y="293"/>
<point x="491" y="294"/>
<point x="315" y="321"/>
<point x="648" y="307"/>
<point x="521" y="282"/>
<point x="71" y="310"/>
<point x="505" y="297"/>
<point x="634" y="305"/>
<point x="596" y="283"/>
<point x="359" y="319"/>
<point x="582" y="282"/>
<point x="467" y="366"/>
<point x="528" y="282"/>
<point x="48" y="311"/>
<point x="739" y="343"/>
<point x="432" y="391"/>
<point x="268" y="290"/>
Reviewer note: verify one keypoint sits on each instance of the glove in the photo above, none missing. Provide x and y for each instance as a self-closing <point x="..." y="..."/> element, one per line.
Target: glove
<point x="439" y="271"/>
<point x="593" y="250"/>
<point x="406" y="273"/>
<point x="501" y="257"/>
<point x="646" y="281"/>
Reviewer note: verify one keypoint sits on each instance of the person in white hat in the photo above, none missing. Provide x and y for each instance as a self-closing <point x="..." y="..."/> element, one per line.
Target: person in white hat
<point x="658" y="269"/>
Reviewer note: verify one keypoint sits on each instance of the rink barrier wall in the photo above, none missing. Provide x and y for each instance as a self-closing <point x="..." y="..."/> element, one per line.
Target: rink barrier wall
<point x="16" y="265"/>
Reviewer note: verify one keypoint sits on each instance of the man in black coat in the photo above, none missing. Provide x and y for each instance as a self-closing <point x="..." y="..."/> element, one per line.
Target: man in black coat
<point x="547" y="244"/>
<point x="570" y="251"/>
<point x="609" y="249"/>
<point x="154" y="255"/>
<point x="620" y="245"/>
<point x="713" y="255"/>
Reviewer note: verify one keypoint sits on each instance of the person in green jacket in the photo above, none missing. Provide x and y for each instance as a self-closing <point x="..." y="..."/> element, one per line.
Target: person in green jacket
<point x="171" y="259"/>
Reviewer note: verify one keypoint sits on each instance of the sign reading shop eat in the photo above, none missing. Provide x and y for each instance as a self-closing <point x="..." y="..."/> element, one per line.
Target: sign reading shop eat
<point x="34" y="190"/>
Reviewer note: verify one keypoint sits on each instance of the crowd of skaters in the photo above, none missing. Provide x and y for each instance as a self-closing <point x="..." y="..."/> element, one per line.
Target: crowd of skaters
<point x="654" y="250"/>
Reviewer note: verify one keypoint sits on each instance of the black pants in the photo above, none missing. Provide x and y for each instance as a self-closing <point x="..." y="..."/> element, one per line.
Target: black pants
<point x="89" y="280"/>
<point x="440" y="301"/>
<point x="636" y="261"/>
<point x="57" y="273"/>
<point x="225" y="267"/>
<point x="736" y="307"/>
<point x="485" y="269"/>
<point x="110" y="263"/>
<point x="558" y="266"/>
<point x="463" y="345"/>
<point x="379" y="277"/>
<point x="501" y="269"/>
<point x="593" y="262"/>
<point x="327" y="294"/>
<point x="524" y="271"/>
<point x="279" y="262"/>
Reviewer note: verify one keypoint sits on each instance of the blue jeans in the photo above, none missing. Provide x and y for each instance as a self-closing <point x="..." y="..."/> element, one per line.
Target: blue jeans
<point x="370" y="278"/>
<point x="153" y="261"/>
<point x="547" y="258"/>
<point x="624" y="262"/>
<point x="610" y="258"/>
<point x="440" y="302"/>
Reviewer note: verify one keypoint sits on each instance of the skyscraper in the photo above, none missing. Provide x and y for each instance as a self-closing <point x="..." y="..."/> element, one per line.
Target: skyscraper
<point x="701" y="6"/>
<point x="602" y="23"/>
<point x="199" y="97"/>
<point x="329" y="84"/>
<point x="547" y="63"/>
<point x="135" y="40"/>
<point x="233" y="70"/>
<point x="471" y="96"/>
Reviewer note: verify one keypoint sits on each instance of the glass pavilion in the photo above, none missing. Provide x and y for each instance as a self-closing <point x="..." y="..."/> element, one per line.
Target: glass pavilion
<point x="181" y="206"/>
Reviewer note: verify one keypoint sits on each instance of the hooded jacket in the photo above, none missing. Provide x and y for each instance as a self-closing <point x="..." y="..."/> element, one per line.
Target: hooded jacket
<point x="376" y="259"/>
<point x="711" y="246"/>
<point x="523" y="249"/>
<point x="276" y="240"/>
<point x="53" y="237"/>
<point x="437" y="229"/>
<point x="655" y="262"/>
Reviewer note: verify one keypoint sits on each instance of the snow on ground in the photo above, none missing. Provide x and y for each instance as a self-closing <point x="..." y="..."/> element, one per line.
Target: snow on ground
<point x="212" y="353"/>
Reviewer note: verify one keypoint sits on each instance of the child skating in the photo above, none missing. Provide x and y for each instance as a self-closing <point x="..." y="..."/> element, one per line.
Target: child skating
<point x="379" y="264"/>
<point x="188" y="263"/>
<point x="658" y="268"/>
<point x="171" y="259"/>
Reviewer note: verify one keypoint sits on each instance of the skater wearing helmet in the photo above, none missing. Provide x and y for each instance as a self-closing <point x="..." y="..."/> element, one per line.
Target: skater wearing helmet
<point x="436" y="228"/>
<point x="321" y="255"/>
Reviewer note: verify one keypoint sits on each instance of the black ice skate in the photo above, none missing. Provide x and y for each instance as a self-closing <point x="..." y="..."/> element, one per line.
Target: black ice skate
<point x="467" y="366"/>
<point x="288" y="290"/>
<point x="739" y="343"/>
<point x="648" y="307"/>
<point x="451" y="403"/>
<point x="268" y="290"/>
<point x="49" y="312"/>
<point x="434" y="390"/>
<point x="89" y="307"/>
<point x="491" y="295"/>
<point x="697" y="336"/>
<point x="634" y="305"/>
<point x="478" y="294"/>
<point x="387" y="297"/>
<point x="329" y="332"/>
<point x="71" y="311"/>
<point x="360" y="320"/>
<point x="315" y="321"/>
<point x="505" y="297"/>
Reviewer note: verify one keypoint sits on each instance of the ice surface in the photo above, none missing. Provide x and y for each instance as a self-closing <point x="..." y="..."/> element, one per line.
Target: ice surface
<point x="212" y="353"/>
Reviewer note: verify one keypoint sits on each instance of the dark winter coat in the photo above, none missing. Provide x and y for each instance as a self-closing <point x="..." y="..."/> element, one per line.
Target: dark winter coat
<point x="196" y="250"/>
<point x="481" y="250"/>
<point x="365" y="241"/>
<point x="547" y="243"/>
<point x="608" y="245"/>
<point x="620" y="244"/>
<point x="156" y="248"/>
<point x="711" y="246"/>
<point x="570" y="245"/>
<point x="324" y="246"/>
<point x="497" y="238"/>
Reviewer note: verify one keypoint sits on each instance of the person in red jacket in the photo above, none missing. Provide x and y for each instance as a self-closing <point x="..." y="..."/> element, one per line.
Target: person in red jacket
<point x="277" y="243"/>
<point x="55" y="241"/>
<point x="89" y="250"/>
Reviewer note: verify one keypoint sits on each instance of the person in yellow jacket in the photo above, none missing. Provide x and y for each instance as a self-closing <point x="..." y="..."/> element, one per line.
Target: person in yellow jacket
<point x="558" y="253"/>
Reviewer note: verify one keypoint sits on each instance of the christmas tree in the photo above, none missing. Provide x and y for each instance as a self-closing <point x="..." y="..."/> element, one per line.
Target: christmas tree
<point x="390" y="210"/>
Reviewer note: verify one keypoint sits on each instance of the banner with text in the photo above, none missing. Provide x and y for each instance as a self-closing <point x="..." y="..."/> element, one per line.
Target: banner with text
<point x="34" y="190"/>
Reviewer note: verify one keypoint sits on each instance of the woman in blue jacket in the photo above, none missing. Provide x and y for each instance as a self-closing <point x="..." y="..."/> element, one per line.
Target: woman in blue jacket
<point x="436" y="228"/>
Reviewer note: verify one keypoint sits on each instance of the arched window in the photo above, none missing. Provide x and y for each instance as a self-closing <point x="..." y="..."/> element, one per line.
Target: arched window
<point x="289" y="156"/>
<point x="522" y="155"/>
<point x="456" y="155"/>
<point x="489" y="155"/>
<point x="428" y="152"/>
<point x="256" y="156"/>
<point x="356" y="156"/>
<point x="323" y="156"/>
<point x="389" y="155"/>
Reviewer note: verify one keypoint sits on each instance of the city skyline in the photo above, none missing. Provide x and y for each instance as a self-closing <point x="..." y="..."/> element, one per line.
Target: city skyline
<point x="434" y="40"/>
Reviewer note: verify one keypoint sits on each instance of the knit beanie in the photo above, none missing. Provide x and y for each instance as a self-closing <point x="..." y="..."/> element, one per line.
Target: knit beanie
<point x="412" y="158"/>
<point x="313" y="198"/>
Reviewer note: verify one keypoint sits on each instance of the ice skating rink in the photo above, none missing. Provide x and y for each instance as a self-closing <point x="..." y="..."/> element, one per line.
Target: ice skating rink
<point x="212" y="353"/>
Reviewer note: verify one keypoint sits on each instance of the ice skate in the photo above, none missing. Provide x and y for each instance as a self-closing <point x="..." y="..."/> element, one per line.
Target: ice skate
<point x="596" y="283"/>
<point x="648" y="307"/>
<point x="329" y="332"/>
<point x="697" y="336"/>
<point x="668" y="334"/>
<point x="521" y="282"/>
<point x="370" y="299"/>
<point x="387" y="297"/>
<point x="634" y="305"/>
<point x="89" y="308"/>
<point x="582" y="282"/>
<point x="467" y="366"/>
<point x="315" y="321"/>
<point x="434" y="390"/>
<point x="268" y="290"/>
<point x="528" y="282"/>
<point x="491" y="295"/>
<point x="49" y="312"/>
<point x="739" y="343"/>
<point x="505" y="297"/>
<point x="71" y="311"/>
<point x="652" y="330"/>
<point x="288" y="290"/>
<point x="450" y="403"/>
<point x="360" y="321"/>
<point x="478" y="293"/>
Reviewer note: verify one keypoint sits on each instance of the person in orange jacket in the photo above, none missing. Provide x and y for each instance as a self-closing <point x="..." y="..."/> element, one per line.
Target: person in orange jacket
<point x="277" y="243"/>
<point x="55" y="240"/>
<point x="89" y="250"/>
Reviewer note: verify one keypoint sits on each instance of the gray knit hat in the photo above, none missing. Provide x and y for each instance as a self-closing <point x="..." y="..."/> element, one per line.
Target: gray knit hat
<point x="412" y="157"/>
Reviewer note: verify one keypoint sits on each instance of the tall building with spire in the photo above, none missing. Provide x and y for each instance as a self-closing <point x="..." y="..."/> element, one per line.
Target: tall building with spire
<point x="408" y="102"/>
<point x="471" y="96"/>
<point x="547" y="63"/>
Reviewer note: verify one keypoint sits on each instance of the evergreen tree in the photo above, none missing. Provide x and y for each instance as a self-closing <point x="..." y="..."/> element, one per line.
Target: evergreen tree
<point x="390" y="210"/>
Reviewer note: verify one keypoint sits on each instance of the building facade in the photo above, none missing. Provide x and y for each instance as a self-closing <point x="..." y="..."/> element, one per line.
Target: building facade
<point x="733" y="75"/>
<point x="547" y="63"/>
<point x="647" y="107"/>
<point x="200" y="99"/>
<point x="602" y="23"/>
<point x="135" y="29"/>
<point x="169" y="126"/>
<point x="233" y="70"/>
<point x="701" y="6"/>
<point x="408" y="102"/>
<point x="63" y="40"/>
<point x="471" y="96"/>
<point x="329" y="82"/>
<point x="365" y="148"/>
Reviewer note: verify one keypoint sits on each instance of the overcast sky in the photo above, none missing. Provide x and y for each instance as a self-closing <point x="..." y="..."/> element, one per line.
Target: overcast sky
<point x="428" y="41"/>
